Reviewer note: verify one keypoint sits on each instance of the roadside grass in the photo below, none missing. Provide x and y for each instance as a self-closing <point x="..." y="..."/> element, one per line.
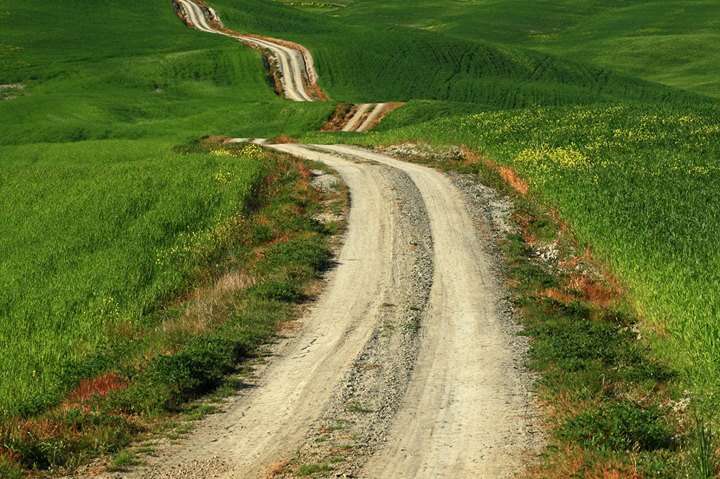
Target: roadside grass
<point x="637" y="184"/>
<point x="313" y="469"/>
<point x="185" y="344"/>
<point x="123" y="461"/>
<point x="612" y="408"/>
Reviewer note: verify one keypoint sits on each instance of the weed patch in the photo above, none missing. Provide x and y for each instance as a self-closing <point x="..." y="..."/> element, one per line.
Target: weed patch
<point x="619" y="426"/>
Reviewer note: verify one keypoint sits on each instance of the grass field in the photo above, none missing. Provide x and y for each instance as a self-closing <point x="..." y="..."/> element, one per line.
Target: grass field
<point x="96" y="235"/>
<point x="131" y="70"/>
<point x="660" y="40"/>
<point x="608" y="109"/>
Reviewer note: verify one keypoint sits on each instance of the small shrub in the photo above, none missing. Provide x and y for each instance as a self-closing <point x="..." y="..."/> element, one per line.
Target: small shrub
<point x="309" y="251"/>
<point x="619" y="426"/>
<point x="123" y="461"/>
<point x="311" y="469"/>
<point x="277" y="291"/>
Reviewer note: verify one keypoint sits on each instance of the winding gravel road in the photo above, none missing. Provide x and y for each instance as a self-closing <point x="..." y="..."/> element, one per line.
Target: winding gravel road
<point x="297" y="71"/>
<point x="409" y="321"/>
<point x="466" y="412"/>
<point x="295" y="65"/>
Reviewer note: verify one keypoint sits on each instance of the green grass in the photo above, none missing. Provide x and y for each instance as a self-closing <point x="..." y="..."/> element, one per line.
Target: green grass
<point x="661" y="40"/>
<point x="637" y="183"/>
<point x="123" y="461"/>
<point x="95" y="235"/>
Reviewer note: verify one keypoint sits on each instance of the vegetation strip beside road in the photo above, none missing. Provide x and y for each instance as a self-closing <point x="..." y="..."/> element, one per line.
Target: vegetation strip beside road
<point x="254" y="266"/>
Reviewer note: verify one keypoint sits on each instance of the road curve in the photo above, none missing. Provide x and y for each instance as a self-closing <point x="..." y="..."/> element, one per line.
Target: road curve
<point x="466" y="410"/>
<point x="466" y="413"/>
<point x="296" y="66"/>
<point x="267" y="423"/>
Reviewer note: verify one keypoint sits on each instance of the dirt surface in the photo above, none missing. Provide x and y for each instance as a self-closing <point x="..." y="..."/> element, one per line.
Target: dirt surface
<point x="408" y="364"/>
<point x="468" y="410"/>
<point x="361" y="117"/>
<point x="294" y="63"/>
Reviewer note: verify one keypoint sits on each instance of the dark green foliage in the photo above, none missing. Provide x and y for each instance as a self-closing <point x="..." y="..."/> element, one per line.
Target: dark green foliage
<point x="197" y="369"/>
<point x="620" y="426"/>
<point x="277" y="290"/>
<point x="301" y="250"/>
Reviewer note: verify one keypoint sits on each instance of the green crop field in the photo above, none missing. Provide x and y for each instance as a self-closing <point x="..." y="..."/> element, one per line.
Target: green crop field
<point x="660" y="40"/>
<point x="609" y="110"/>
<point x="94" y="235"/>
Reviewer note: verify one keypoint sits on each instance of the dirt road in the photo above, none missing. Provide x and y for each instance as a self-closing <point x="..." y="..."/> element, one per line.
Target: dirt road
<point x="297" y="71"/>
<point x="460" y="406"/>
<point x="294" y="64"/>
<point x="406" y="363"/>
<point x="466" y="411"/>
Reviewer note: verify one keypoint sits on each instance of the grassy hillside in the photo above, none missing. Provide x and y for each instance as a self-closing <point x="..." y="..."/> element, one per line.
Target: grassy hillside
<point x="605" y="108"/>
<point x="105" y="69"/>
<point x="400" y="63"/>
<point x="668" y="41"/>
